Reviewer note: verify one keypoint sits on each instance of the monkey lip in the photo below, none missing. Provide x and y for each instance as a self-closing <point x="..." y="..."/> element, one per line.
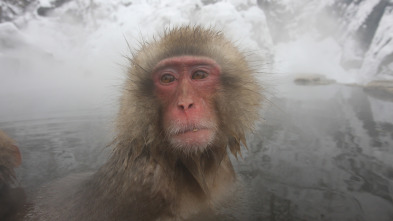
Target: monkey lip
<point x="193" y="137"/>
<point x="191" y="130"/>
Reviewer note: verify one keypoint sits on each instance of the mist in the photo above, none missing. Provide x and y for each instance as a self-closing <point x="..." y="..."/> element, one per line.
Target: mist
<point x="323" y="149"/>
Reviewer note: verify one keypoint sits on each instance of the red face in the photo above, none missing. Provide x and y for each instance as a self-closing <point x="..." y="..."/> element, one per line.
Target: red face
<point x="186" y="85"/>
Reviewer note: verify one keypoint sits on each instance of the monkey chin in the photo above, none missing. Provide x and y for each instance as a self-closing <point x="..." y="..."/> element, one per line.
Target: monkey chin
<point x="192" y="141"/>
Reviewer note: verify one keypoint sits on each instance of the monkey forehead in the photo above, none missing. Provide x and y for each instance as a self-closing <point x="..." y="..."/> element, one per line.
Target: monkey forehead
<point x="187" y="60"/>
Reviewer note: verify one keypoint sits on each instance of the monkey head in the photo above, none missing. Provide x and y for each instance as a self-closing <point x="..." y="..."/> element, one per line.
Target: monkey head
<point x="189" y="95"/>
<point x="186" y="92"/>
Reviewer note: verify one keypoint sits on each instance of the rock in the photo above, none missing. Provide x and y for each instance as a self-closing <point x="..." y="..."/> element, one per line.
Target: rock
<point x="381" y="89"/>
<point x="312" y="79"/>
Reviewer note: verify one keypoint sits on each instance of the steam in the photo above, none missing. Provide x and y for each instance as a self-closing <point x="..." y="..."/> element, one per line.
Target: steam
<point x="72" y="61"/>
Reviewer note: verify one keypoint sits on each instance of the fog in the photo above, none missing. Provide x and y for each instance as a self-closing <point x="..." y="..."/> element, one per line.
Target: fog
<point x="73" y="58"/>
<point x="323" y="149"/>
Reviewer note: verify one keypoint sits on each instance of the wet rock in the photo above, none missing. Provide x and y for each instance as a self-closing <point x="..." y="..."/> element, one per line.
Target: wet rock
<point x="312" y="79"/>
<point x="380" y="89"/>
<point x="44" y="11"/>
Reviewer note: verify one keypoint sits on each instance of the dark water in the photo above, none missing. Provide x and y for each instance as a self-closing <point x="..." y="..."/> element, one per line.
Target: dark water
<point x="321" y="153"/>
<point x="52" y="148"/>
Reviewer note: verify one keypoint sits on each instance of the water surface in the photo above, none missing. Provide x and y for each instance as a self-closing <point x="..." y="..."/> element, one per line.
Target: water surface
<point x="321" y="153"/>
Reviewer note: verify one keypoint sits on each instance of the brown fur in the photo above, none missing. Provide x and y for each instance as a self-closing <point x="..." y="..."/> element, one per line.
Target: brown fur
<point x="144" y="179"/>
<point x="9" y="158"/>
<point x="11" y="197"/>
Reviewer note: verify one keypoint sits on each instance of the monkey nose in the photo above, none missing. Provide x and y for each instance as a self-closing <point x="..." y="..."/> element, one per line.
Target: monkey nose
<point x="185" y="105"/>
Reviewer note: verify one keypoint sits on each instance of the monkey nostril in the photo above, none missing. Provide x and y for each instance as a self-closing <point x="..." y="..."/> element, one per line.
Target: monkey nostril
<point x="185" y="106"/>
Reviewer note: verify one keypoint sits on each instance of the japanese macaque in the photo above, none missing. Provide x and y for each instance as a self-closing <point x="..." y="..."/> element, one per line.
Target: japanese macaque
<point x="190" y="95"/>
<point x="12" y="197"/>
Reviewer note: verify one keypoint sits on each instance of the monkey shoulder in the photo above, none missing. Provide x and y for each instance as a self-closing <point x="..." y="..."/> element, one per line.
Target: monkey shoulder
<point x="228" y="208"/>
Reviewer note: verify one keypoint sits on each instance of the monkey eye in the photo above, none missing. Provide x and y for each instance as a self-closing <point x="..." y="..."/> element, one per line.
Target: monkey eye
<point x="167" y="78"/>
<point x="199" y="75"/>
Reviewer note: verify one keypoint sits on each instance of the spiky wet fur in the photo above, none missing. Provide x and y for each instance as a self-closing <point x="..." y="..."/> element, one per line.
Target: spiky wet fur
<point x="144" y="178"/>
<point x="7" y="159"/>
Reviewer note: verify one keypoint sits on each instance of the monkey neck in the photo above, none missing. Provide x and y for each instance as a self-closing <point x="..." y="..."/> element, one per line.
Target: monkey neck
<point x="174" y="182"/>
<point x="203" y="169"/>
<point x="206" y="169"/>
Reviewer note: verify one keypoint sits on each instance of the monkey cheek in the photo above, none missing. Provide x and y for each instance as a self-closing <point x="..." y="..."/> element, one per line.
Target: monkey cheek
<point x="193" y="141"/>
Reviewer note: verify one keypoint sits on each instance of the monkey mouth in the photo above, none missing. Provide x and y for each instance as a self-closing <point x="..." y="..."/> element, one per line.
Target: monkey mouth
<point x="191" y="136"/>
<point x="189" y="130"/>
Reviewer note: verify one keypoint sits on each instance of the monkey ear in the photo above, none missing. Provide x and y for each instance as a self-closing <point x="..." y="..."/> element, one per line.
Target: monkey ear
<point x="17" y="160"/>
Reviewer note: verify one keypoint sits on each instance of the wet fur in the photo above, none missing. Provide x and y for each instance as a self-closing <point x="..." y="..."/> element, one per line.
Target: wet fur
<point x="7" y="159"/>
<point x="144" y="179"/>
<point x="12" y="197"/>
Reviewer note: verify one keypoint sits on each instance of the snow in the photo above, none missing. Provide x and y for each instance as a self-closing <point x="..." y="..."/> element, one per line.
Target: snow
<point x="75" y="57"/>
<point x="360" y="13"/>
<point x="46" y="3"/>
<point x="381" y="46"/>
<point x="309" y="56"/>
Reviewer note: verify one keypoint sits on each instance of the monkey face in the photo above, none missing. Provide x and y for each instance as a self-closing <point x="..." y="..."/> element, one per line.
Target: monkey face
<point x="189" y="90"/>
<point x="185" y="85"/>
